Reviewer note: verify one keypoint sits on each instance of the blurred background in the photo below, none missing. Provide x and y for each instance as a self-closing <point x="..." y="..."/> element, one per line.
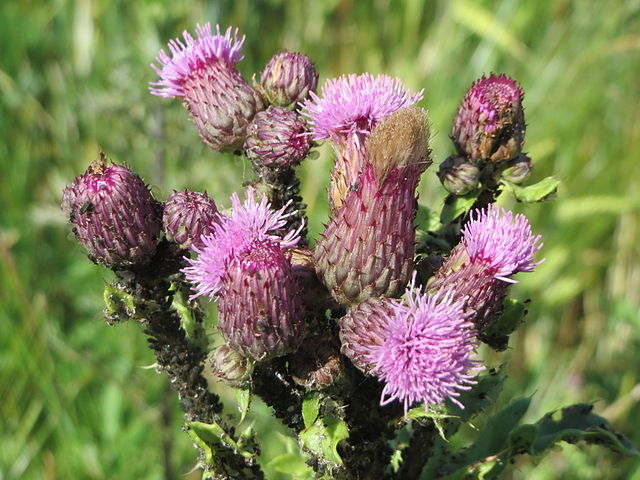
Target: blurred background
<point x="75" y="398"/>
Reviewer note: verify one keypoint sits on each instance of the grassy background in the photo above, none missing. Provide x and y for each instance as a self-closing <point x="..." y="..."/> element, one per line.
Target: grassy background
<point x="75" y="402"/>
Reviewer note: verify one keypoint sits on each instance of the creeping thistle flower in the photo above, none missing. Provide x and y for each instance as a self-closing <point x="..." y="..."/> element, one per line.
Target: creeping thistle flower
<point x="421" y="348"/>
<point x="187" y="217"/>
<point x="490" y="124"/>
<point x="495" y="245"/>
<point x="245" y="266"/>
<point x="277" y="138"/>
<point x="113" y="213"/>
<point x="368" y="246"/>
<point x="345" y="112"/>
<point x="287" y="79"/>
<point x="202" y="72"/>
<point x="230" y="366"/>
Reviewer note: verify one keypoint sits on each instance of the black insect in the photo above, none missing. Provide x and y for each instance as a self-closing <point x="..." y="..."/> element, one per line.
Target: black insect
<point x="86" y="207"/>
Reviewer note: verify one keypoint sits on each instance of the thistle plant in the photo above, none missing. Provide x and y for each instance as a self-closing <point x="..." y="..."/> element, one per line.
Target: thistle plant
<point x="367" y="342"/>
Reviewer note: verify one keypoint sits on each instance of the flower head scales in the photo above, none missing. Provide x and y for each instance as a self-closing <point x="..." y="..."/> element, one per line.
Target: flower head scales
<point x="426" y="354"/>
<point x="247" y="224"/>
<point x="193" y="54"/>
<point x="504" y="241"/>
<point x="349" y="106"/>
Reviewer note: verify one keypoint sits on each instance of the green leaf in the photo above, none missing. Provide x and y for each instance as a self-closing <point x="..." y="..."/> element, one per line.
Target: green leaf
<point x="212" y="434"/>
<point x="455" y="206"/>
<point x="322" y="438"/>
<point x="497" y="334"/>
<point x="427" y="220"/>
<point x="291" y="464"/>
<point x="119" y="305"/>
<point x="310" y="409"/>
<point x="576" y="423"/>
<point x="538" y="192"/>
<point x="243" y="400"/>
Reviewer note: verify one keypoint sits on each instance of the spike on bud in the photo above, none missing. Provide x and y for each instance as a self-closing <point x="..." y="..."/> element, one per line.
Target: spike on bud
<point x="459" y="175"/>
<point x="277" y="138"/>
<point x="490" y="124"/>
<point x="187" y="217"/>
<point x="287" y="79"/>
<point x="114" y="215"/>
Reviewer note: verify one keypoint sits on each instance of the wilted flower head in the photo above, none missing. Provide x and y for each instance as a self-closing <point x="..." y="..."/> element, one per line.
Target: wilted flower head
<point x="287" y="79"/>
<point x="189" y="57"/>
<point x="277" y="138"/>
<point x="114" y="215"/>
<point x="501" y="240"/>
<point x="234" y="235"/>
<point x="348" y="107"/>
<point x="202" y="72"/>
<point x="426" y="355"/>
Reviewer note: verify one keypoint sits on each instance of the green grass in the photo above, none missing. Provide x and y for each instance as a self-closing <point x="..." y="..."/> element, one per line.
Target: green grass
<point x="73" y="77"/>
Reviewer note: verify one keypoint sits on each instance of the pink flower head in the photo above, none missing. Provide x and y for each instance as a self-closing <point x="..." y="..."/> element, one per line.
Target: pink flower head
<point x="426" y="354"/>
<point x="490" y="95"/>
<point x="235" y="235"/>
<point x="349" y="106"/>
<point x="192" y="55"/>
<point x="501" y="240"/>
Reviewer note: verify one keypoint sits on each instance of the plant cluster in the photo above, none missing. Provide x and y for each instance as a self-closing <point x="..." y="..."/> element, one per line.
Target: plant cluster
<point x="366" y="344"/>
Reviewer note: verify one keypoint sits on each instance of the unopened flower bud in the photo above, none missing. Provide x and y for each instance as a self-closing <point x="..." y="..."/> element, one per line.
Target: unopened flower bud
<point x="490" y="124"/>
<point x="277" y="138"/>
<point x="518" y="170"/>
<point x="287" y="79"/>
<point x="187" y="217"/>
<point x="230" y="366"/>
<point x="459" y="175"/>
<point x="114" y="215"/>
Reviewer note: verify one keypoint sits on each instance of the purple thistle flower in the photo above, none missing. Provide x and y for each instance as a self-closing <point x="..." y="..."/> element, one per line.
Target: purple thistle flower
<point x="347" y="110"/>
<point x="427" y="350"/>
<point x="234" y="235"/>
<point x="192" y="55"/>
<point x="260" y="310"/>
<point x="202" y="72"/>
<point x="502" y="241"/>
<point x="351" y="105"/>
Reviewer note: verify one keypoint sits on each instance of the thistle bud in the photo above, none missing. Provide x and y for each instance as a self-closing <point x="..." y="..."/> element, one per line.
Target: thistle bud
<point x="490" y="124"/>
<point x="114" y="215"/>
<point x="368" y="247"/>
<point x="260" y="310"/>
<point x="287" y="79"/>
<point x="518" y="170"/>
<point x="187" y="217"/>
<point x="202" y="72"/>
<point x="277" y="138"/>
<point x="363" y="329"/>
<point x="230" y="366"/>
<point x="459" y="175"/>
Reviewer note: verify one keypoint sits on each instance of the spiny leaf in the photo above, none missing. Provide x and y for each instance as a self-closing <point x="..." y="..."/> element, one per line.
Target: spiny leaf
<point x="538" y="192"/>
